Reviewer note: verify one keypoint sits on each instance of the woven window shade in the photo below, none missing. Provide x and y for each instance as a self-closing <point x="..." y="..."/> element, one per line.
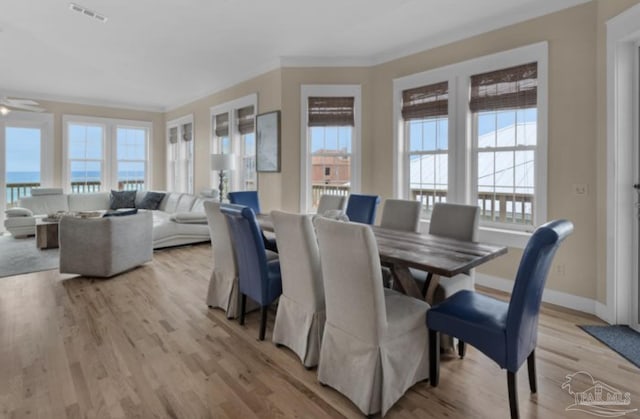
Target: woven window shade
<point x="222" y="125"/>
<point x="173" y="135"/>
<point x="187" y="132"/>
<point x="425" y="101"/>
<point x="331" y="111"/>
<point x="245" y="120"/>
<point x="509" y="88"/>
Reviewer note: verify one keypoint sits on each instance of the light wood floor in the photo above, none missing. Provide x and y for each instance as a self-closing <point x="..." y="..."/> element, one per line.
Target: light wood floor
<point x="144" y="344"/>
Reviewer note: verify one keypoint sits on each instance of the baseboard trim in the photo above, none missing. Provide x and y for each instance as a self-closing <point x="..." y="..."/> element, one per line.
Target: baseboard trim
<point x="574" y="302"/>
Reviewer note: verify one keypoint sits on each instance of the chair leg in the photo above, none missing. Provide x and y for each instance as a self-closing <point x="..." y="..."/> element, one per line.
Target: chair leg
<point x="434" y="357"/>
<point x="263" y="321"/>
<point x="462" y="349"/>
<point x="243" y="306"/>
<point x="513" y="394"/>
<point x="531" y="366"/>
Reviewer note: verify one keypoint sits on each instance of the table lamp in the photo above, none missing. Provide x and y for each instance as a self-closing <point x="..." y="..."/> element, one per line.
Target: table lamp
<point x="222" y="163"/>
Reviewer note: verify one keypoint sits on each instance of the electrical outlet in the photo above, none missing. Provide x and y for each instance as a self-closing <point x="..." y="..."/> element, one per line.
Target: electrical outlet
<point x="560" y="269"/>
<point x="580" y="189"/>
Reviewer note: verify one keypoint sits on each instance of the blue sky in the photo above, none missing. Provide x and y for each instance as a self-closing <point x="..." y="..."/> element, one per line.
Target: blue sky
<point x="23" y="149"/>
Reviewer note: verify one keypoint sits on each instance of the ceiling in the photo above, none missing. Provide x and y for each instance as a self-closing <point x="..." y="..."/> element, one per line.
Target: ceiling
<point x="157" y="55"/>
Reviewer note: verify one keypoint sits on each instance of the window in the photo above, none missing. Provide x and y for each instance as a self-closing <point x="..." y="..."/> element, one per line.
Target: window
<point x="504" y="108"/>
<point x="331" y="142"/>
<point x="86" y="157"/>
<point x="132" y="157"/>
<point x="180" y="155"/>
<point x="475" y="132"/>
<point x="425" y="115"/>
<point x="233" y="132"/>
<point x="103" y="154"/>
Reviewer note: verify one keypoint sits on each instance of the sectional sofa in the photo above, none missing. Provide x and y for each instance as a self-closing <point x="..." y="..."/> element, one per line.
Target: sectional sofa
<point x="179" y="219"/>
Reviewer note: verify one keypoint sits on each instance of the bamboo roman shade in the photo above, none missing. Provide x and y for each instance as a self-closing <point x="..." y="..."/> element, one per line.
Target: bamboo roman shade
<point x="245" y="120"/>
<point x="222" y="125"/>
<point x="331" y="111"/>
<point x="187" y="132"/>
<point x="173" y="135"/>
<point x="425" y="101"/>
<point x="509" y="88"/>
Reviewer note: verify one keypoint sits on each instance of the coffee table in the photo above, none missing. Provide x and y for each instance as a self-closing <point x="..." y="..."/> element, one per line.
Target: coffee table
<point x="46" y="234"/>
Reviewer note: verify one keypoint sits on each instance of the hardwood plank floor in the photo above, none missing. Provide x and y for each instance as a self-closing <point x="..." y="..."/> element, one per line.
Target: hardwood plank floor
<point x="144" y="344"/>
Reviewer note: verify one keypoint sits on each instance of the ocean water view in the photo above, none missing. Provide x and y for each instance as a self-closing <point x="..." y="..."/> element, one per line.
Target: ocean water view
<point x="14" y="192"/>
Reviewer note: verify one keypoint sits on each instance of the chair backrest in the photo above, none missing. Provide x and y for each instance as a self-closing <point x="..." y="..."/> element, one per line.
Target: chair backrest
<point x="247" y="198"/>
<point x="526" y="297"/>
<point x="224" y="259"/>
<point x="362" y="208"/>
<point x="354" y="298"/>
<point x="299" y="259"/>
<point x="455" y="221"/>
<point x="401" y="214"/>
<point x="248" y="246"/>
<point x="331" y="202"/>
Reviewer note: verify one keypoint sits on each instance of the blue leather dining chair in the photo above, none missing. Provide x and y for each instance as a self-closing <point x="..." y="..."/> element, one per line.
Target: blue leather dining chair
<point x="250" y="199"/>
<point x="505" y="332"/>
<point x="258" y="277"/>
<point x="362" y="208"/>
<point x="247" y="198"/>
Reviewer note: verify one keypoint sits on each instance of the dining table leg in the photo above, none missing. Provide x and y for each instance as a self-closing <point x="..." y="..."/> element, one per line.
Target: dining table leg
<point x="431" y="289"/>
<point x="402" y="276"/>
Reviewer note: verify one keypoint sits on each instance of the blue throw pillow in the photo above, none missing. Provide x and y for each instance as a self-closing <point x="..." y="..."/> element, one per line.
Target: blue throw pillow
<point x="122" y="199"/>
<point x="111" y="213"/>
<point x="151" y="201"/>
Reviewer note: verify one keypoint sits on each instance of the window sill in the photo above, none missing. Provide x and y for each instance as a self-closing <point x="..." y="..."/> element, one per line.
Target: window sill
<point x="501" y="237"/>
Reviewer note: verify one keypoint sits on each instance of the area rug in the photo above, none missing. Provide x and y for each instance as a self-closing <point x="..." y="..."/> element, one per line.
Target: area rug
<point x="621" y="339"/>
<point x="21" y="256"/>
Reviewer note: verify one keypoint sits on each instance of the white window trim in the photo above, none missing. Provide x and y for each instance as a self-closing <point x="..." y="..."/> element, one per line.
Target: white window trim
<point x="234" y="136"/>
<point x="623" y="34"/>
<point x="328" y="90"/>
<point x="179" y="123"/>
<point x="109" y="149"/>
<point x="461" y="171"/>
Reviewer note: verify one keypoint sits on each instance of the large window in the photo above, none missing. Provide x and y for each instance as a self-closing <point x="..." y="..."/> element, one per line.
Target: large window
<point x="425" y="115"/>
<point x="475" y="132"/>
<point x="233" y="132"/>
<point x="331" y="127"/>
<point x="180" y="155"/>
<point x="102" y="154"/>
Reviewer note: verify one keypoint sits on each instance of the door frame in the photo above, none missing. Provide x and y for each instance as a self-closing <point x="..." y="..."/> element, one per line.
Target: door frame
<point x="623" y="34"/>
<point x="43" y="121"/>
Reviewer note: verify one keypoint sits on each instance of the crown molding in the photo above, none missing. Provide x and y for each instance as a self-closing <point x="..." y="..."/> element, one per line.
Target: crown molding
<point x="327" y="61"/>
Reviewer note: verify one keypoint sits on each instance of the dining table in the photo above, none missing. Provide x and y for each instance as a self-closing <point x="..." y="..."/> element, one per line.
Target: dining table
<point x="437" y="255"/>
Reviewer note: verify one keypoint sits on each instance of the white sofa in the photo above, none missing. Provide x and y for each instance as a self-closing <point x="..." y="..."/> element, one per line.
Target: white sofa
<point x="180" y="218"/>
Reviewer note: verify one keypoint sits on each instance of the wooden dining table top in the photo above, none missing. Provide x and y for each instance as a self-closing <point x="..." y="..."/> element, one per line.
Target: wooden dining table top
<point x="439" y="255"/>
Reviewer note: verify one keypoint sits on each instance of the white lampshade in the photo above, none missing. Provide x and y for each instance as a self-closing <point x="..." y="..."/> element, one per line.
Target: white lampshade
<point x="223" y="162"/>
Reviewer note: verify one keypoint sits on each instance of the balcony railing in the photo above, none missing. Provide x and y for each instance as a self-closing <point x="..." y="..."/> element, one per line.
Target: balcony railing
<point x="514" y="208"/>
<point x="319" y="189"/>
<point x="15" y="191"/>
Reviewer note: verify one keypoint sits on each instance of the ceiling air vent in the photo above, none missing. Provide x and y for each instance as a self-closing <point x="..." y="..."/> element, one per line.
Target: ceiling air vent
<point x="87" y="12"/>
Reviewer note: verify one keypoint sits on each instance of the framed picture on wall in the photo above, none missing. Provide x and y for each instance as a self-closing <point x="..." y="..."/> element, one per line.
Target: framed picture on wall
<point x="268" y="142"/>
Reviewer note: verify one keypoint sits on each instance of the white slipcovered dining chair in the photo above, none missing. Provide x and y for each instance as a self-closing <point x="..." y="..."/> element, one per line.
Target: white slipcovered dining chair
<point x="454" y="221"/>
<point x="331" y="202"/>
<point x="300" y="317"/>
<point x="223" y="286"/>
<point x="401" y="214"/>
<point x="374" y="345"/>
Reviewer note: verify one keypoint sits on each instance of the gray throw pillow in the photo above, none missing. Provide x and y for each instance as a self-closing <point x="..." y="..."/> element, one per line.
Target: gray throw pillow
<point x="151" y="201"/>
<point x="122" y="199"/>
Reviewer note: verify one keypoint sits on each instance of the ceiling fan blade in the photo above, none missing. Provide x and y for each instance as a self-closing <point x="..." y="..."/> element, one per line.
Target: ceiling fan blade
<point x="25" y="108"/>
<point x="19" y="102"/>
